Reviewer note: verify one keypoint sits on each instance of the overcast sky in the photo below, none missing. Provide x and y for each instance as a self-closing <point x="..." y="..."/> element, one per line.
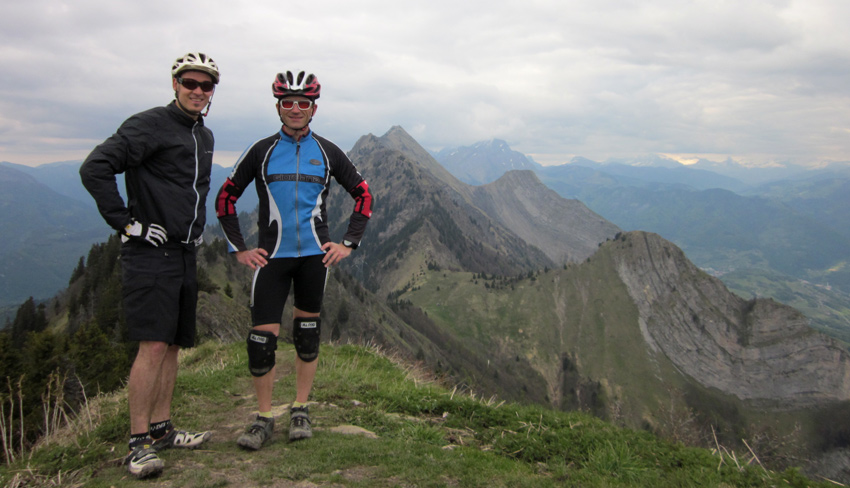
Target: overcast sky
<point x="757" y="80"/>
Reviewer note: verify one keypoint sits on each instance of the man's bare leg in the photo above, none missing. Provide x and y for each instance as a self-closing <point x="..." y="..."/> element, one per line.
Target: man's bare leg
<point x="144" y="384"/>
<point x="165" y="389"/>
<point x="305" y="372"/>
<point x="264" y="385"/>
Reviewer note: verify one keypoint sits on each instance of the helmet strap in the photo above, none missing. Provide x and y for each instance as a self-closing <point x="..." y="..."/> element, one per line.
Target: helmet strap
<point x="209" y="103"/>
<point x="185" y="110"/>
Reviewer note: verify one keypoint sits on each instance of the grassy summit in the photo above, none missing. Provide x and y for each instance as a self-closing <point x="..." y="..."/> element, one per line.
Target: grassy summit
<point x="377" y="423"/>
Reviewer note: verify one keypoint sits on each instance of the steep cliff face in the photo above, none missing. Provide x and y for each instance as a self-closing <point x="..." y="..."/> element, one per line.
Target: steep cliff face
<point x="757" y="350"/>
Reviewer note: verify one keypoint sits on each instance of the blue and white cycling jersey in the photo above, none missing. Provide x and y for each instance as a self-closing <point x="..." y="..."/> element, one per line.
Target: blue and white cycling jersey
<point x="292" y="180"/>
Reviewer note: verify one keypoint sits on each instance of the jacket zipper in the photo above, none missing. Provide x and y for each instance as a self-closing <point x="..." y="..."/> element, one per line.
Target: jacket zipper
<point x="194" y="186"/>
<point x="297" y="178"/>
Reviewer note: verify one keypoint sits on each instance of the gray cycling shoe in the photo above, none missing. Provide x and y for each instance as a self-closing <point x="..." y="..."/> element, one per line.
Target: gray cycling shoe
<point x="299" y="424"/>
<point x="257" y="434"/>
<point x="142" y="462"/>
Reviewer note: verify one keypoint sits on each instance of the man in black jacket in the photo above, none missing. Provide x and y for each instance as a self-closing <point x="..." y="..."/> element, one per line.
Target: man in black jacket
<point x="166" y="156"/>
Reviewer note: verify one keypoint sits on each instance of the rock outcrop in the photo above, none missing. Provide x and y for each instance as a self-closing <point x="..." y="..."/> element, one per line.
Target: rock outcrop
<point x="757" y="350"/>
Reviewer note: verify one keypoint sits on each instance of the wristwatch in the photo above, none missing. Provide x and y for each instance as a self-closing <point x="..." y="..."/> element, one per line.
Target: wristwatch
<point x="349" y="244"/>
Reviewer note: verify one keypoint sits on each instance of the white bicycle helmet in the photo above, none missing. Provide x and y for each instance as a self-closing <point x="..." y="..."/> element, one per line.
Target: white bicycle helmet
<point x="196" y="62"/>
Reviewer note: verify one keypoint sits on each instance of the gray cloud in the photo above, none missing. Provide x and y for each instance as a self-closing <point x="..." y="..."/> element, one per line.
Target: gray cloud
<point x="752" y="80"/>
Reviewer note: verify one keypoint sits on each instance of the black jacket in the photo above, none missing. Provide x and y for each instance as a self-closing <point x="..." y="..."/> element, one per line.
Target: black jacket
<point x="167" y="158"/>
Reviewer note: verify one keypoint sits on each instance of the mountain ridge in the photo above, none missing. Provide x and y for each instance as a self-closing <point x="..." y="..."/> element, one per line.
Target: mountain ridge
<point x="566" y="230"/>
<point x="435" y="215"/>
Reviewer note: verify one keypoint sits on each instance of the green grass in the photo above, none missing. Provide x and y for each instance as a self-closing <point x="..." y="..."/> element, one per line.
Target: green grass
<point x="425" y="435"/>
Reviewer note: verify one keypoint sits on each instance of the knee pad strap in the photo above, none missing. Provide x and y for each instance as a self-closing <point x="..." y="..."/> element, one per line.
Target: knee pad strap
<point x="305" y="336"/>
<point x="261" y="348"/>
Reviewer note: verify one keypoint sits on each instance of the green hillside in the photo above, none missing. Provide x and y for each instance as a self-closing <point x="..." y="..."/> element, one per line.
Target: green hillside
<point x="378" y="422"/>
<point x="578" y="330"/>
<point x="584" y="346"/>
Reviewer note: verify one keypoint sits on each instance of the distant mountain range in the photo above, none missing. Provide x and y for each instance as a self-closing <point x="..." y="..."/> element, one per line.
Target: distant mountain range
<point x="736" y="222"/>
<point x="483" y="162"/>
<point x="717" y="227"/>
<point x="788" y="221"/>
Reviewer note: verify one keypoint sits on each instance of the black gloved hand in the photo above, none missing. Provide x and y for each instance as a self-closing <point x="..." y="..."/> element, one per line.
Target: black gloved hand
<point x="151" y="233"/>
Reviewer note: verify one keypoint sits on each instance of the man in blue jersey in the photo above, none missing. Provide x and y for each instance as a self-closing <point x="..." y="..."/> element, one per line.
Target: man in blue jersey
<point x="292" y="171"/>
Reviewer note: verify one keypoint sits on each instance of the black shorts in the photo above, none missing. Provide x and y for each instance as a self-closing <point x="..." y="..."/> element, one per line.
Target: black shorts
<point x="160" y="293"/>
<point x="306" y="275"/>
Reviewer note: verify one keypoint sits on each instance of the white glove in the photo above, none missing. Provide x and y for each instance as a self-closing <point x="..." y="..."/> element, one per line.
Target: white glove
<point x="151" y="233"/>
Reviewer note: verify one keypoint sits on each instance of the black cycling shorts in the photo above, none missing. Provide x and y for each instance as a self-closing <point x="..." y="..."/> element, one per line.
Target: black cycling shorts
<point x="306" y="275"/>
<point x="160" y="293"/>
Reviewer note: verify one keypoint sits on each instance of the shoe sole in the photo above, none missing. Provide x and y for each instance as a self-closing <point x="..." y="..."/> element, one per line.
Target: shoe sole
<point x="297" y="436"/>
<point x="249" y="444"/>
<point x="148" y="470"/>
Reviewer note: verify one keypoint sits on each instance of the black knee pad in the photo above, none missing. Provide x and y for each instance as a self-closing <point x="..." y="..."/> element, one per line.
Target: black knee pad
<point x="305" y="336"/>
<point x="261" y="348"/>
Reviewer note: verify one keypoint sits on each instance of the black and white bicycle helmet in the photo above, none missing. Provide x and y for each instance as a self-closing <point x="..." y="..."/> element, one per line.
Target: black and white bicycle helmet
<point x="196" y="62"/>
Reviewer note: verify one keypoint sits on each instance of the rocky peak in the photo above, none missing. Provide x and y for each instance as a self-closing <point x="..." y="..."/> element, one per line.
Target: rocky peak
<point x="483" y="162"/>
